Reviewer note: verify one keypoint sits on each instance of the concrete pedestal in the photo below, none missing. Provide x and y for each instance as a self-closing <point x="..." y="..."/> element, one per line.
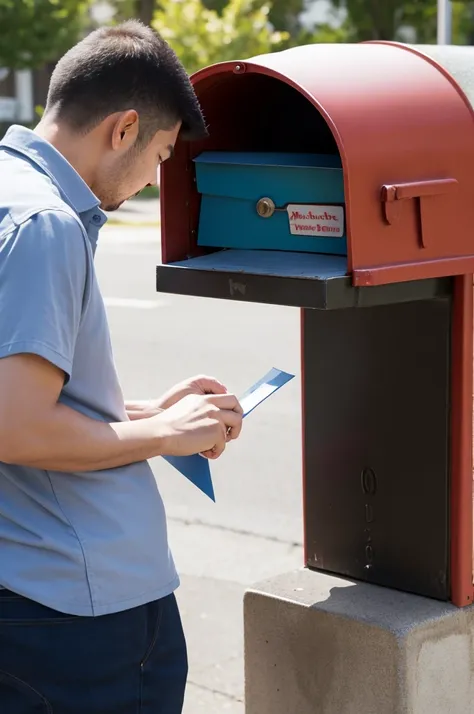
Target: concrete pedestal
<point x="316" y="644"/>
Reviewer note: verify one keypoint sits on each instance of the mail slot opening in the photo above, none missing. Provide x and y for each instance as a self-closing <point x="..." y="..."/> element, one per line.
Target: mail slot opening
<point x="255" y="112"/>
<point x="264" y="193"/>
<point x="270" y="176"/>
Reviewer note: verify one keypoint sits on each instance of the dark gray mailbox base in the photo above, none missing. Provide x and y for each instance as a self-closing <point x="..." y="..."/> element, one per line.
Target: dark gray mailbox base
<point x="376" y="388"/>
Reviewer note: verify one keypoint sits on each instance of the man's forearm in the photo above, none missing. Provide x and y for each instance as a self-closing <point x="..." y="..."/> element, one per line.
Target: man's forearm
<point x="142" y="409"/>
<point x="65" y="440"/>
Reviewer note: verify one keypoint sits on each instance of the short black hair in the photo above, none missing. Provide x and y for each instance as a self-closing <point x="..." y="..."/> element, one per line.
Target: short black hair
<point x="127" y="66"/>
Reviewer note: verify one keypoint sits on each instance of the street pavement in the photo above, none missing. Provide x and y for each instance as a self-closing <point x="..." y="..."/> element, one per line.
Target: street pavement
<point x="254" y="529"/>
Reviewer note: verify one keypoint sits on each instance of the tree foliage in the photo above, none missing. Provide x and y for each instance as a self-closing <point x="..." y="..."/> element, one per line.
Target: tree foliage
<point x="283" y="14"/>
<point x="389" y="20"/>
<point x="34" y="32"/>
<point x="140" y="9"/>
<point x="365" y="19"/>
<point x="201" y="37"/>
<point x="422" y="15"/>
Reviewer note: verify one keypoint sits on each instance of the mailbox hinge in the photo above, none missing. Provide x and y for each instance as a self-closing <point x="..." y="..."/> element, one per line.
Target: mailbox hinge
<point x="392" y="194"/>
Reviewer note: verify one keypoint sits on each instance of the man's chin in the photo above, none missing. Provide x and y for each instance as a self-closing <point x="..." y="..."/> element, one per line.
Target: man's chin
<point x="110" y="208"/>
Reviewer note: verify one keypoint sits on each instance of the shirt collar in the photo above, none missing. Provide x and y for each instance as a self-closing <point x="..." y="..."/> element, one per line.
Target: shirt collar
<point x="73" y="188"/>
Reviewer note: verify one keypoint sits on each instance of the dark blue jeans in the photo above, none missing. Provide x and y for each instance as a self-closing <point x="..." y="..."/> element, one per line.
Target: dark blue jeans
<point x="132" y="662"/>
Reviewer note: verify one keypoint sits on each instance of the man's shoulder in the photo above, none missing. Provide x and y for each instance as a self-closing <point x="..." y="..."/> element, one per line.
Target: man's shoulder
<point x="26" y="192"/>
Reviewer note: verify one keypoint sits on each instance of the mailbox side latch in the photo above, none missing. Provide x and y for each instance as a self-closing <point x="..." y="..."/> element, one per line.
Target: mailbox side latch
<point x="393" y="194"/>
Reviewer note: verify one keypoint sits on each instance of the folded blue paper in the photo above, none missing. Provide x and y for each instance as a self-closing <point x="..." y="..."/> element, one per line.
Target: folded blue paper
<point x="196" y="468"/>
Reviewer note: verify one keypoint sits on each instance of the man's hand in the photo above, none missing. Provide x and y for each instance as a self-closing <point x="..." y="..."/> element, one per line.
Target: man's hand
<point x="200" y="424"/>
<point x="217" y="414"/>
<point x="195" y="385"/>
<point x="200" y="385"/>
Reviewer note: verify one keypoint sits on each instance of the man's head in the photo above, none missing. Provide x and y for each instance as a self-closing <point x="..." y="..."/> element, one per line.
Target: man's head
<point x="121" y="96"/>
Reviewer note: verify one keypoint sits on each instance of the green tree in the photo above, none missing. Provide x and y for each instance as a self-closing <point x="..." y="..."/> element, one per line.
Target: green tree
<point x="140" y="9"/>
<point x="283" y="15"/>
<point x="201" y="37"/>
<point x="371" y="19"/>
<point x="422" y="16"/>
<point x="34" y="32"/>
<point x="385" y="19"/>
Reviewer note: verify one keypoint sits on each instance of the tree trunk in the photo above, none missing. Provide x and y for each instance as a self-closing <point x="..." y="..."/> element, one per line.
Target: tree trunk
<point x="145" y="10"/>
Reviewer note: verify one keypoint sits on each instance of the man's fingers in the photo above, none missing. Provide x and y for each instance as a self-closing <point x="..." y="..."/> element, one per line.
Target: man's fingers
<point x="232" y="422"/>
<point x="214" y="453"/>
<point x="217" y="449"/>
<point x="229" y="412"/>
<point x="209" y="385"/>
<point x="225" y="401"/>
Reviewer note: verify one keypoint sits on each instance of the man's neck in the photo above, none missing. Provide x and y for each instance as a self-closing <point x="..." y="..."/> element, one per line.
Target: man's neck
<point x="75" y="149"/>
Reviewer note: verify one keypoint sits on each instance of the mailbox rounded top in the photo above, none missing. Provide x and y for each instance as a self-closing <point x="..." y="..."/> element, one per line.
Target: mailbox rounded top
<point x="402" y="119"/>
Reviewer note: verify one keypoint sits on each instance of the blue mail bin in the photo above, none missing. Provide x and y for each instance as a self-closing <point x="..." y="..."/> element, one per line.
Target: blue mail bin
<point x="274" y="201"/>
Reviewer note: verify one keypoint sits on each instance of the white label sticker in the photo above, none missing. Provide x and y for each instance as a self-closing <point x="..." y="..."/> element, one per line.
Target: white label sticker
<point x="316" y="221"/>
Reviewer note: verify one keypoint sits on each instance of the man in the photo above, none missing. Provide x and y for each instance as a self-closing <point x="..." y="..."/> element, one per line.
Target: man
<point x="88" y="618"/>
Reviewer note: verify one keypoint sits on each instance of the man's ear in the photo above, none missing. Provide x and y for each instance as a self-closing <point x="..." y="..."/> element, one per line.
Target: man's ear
<point x="125" y="130"/>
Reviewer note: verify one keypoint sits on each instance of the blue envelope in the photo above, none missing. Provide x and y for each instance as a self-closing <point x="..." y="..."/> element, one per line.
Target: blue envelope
<point x="196" y="468"/>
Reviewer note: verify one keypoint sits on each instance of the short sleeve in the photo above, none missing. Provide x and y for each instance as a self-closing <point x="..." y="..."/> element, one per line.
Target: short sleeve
<point x="43" y="277"/>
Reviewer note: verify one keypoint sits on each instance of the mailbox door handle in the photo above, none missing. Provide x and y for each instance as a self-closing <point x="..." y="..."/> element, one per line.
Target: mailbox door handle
<point x="392" y="194"/>
<point x="417" y="189"/>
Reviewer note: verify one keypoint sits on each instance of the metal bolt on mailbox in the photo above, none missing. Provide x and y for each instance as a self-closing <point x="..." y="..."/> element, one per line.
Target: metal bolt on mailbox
<point x="339" y="179"/>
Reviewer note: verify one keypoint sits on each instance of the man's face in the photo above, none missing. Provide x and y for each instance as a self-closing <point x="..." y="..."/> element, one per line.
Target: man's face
<point x="123" y="175"/>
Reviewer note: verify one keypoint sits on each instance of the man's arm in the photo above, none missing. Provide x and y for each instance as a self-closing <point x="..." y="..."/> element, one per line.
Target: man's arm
<point x="36" y="430"/>
<point x="43" y="290"/>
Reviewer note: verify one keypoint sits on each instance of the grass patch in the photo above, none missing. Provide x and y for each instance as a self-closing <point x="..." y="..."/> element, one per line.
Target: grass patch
<point x="149" y="192"/>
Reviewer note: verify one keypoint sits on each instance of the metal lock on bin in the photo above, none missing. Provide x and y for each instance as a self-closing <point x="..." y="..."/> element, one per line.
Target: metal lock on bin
<point x="265" y="207"/>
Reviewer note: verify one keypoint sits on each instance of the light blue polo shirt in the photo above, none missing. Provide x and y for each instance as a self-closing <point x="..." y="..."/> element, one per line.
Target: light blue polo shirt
<point x="82" y="543"/>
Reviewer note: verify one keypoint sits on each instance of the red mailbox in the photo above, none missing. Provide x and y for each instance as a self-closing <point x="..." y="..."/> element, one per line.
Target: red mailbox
<point x="387" y="481"/>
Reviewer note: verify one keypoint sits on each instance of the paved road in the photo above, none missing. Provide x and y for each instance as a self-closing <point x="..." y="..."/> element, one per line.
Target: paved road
<point x="255" y="528"/>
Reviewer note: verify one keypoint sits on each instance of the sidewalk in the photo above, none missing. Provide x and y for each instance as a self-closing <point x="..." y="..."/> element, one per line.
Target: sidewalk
<point x="216" y="565"/>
